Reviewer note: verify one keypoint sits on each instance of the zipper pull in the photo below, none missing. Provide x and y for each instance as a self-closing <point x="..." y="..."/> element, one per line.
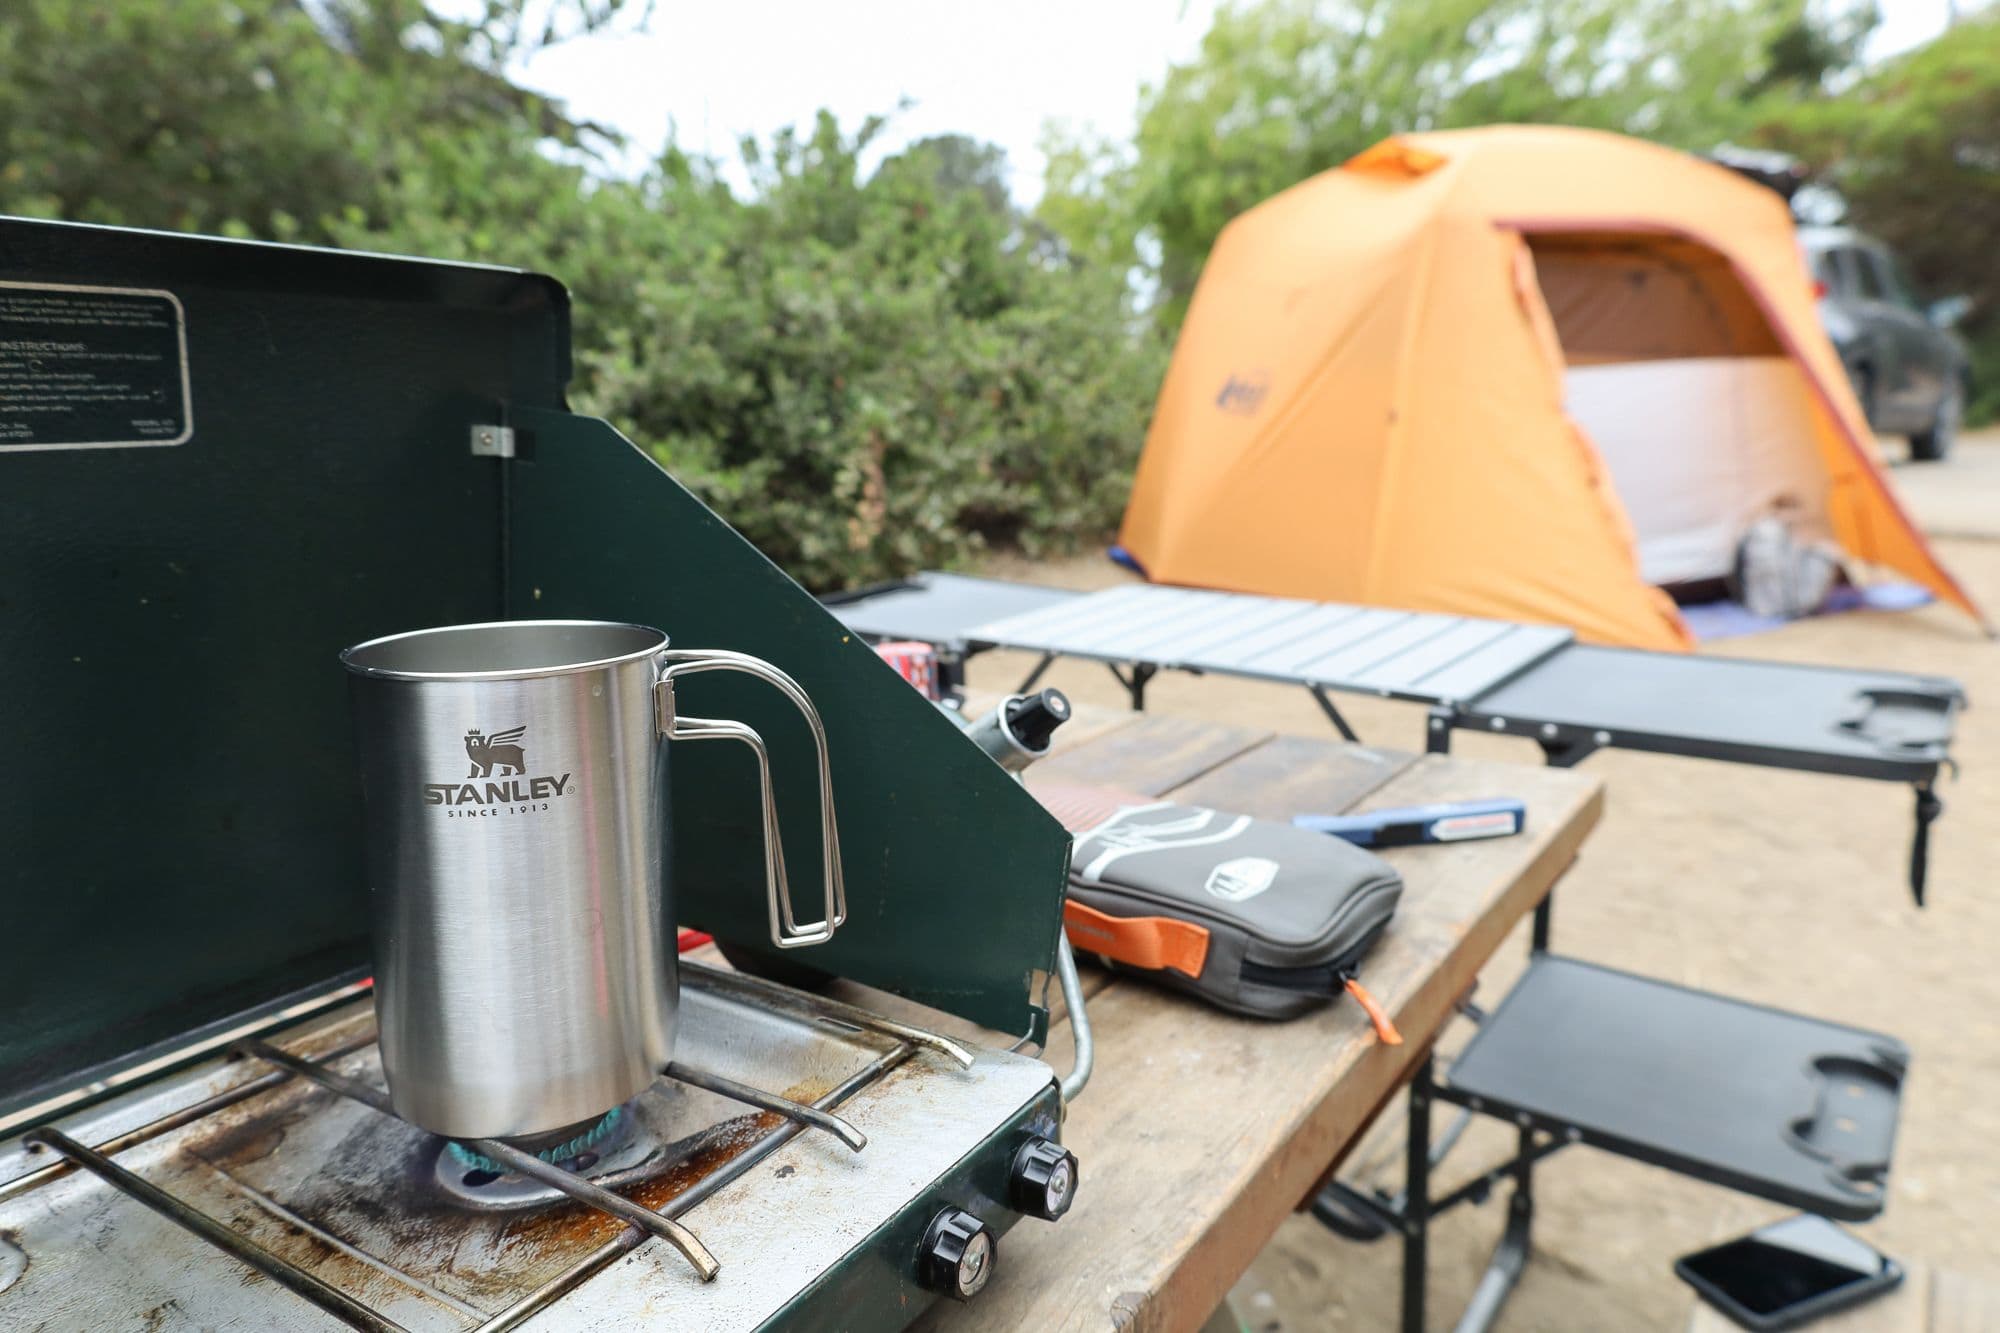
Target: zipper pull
<point x="1385" y="1031"/>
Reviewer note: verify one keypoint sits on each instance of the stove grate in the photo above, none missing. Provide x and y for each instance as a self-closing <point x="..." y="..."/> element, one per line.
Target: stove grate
<point x="643" y="1223"/>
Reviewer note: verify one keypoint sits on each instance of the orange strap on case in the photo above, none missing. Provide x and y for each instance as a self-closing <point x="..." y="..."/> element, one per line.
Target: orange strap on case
<point x="1385" y="1031"/>
<point x="1152" y="942"/>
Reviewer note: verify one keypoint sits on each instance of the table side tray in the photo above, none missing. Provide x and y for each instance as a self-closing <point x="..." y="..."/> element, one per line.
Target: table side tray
<point x="1775" y="1104"/>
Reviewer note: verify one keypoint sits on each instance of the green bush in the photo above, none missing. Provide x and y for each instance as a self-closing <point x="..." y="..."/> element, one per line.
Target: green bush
<point x="867" y="372"/>
<point x="871" y="375"/>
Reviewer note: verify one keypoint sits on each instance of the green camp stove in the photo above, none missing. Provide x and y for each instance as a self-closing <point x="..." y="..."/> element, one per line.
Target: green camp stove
<point x="222" y="462"/>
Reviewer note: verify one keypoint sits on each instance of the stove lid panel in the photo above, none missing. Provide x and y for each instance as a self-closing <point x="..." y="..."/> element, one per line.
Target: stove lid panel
<point x="182" y="811"/>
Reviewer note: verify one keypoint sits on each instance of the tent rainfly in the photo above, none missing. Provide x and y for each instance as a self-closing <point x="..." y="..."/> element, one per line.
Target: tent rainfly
<point x="1529" y="373"/>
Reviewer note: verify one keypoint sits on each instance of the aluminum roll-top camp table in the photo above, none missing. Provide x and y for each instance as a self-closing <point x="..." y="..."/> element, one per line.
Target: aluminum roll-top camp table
<point x="1143" y="629"/>
<point x="1534" y="681"/>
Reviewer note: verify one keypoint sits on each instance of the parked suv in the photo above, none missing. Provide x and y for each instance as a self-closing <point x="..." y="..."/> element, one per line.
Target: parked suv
<point x="1909" y="370"/>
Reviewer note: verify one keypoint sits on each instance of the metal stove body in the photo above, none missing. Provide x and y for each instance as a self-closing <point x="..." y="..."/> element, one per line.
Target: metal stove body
<point x="219" y="463"/>
<point x="393" y="1222"/>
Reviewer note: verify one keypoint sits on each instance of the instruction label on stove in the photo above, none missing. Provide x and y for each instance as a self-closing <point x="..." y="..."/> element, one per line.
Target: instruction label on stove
<point x="91" y="368"/>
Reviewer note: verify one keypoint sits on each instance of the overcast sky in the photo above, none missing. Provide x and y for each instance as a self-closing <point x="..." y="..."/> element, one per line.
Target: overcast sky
<point x="996" y="71"/>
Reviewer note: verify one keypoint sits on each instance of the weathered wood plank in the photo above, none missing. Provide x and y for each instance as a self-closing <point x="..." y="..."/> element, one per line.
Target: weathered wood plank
<point x="1291" y="775"/>
<point x="1203" y="1131"/>
<point x="1156" y="753"/>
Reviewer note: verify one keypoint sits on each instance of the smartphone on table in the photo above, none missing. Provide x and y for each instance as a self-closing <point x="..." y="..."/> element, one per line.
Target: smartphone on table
<point x="1789" y="1273"/>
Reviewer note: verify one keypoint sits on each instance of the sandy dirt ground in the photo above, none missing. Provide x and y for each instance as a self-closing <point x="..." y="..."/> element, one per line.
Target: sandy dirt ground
<point x="1788" y="889"/>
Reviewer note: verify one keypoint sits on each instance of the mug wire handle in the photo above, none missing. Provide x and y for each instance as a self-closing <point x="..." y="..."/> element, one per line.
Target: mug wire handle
<point x="786" y="932"/>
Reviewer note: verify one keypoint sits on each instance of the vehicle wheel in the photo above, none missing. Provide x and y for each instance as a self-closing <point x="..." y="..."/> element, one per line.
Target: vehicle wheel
<point x="1934" y="445"/>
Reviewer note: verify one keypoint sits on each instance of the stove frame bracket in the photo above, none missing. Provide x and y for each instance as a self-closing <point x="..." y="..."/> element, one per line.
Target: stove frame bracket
<point x="492" y="441"/>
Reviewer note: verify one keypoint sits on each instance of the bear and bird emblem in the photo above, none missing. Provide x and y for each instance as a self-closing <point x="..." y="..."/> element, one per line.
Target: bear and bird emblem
<point x="502" y="748"/>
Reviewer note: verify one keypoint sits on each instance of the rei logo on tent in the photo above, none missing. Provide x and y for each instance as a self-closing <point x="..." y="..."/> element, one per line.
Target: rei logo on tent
<point x="1244" y="394"/>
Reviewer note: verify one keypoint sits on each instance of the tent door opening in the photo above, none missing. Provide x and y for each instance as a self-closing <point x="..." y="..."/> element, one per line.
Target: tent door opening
<point x="1673" y="372"/>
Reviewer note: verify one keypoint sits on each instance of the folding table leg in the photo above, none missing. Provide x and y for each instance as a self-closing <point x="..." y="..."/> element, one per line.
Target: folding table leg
<point x="1437" y="731"/>
<point x="1326" y="705"/>
<point x="1034" y="677"/>
<point x="1510" y="1256"/>
<point x="1417" y="1198"/>
<point x="1135" y="683"/>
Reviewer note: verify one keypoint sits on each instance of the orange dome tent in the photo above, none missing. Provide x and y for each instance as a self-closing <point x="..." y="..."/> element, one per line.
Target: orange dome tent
<point x="1399" y="383"/>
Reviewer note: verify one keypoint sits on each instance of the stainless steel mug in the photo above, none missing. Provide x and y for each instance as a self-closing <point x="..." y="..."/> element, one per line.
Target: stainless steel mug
<point x="514" y="775"/>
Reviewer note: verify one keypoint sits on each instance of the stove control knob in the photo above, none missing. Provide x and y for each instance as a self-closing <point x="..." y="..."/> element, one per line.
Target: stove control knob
<point x="1044" y="1180"/>
<point x="958" y="1255"/>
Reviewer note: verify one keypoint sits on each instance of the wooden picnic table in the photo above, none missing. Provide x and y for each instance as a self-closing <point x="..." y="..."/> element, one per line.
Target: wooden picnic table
<point x="1200" y="1132"/>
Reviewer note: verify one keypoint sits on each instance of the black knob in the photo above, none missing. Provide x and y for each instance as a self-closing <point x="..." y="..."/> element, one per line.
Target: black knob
<point x="1033" y="718"/>
<point x="1043" y="1183"/>
<point x="958" y="1255"/>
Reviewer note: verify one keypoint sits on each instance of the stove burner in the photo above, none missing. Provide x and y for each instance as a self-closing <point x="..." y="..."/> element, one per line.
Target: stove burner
<point x="644" y="1138"/>
<point x="559" y="1147"/>
<point x="617" y="1149"/>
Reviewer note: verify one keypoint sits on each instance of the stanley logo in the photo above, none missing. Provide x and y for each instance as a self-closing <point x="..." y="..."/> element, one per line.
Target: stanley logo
<point x="510" y="791"/>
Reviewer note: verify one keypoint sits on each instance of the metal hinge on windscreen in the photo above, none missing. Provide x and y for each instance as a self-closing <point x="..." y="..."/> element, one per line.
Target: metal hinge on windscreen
<point x="493" y="441"/>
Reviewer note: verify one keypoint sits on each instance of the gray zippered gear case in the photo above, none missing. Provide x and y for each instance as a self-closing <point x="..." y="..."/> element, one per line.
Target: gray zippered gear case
<point x="1287" y="913"/>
